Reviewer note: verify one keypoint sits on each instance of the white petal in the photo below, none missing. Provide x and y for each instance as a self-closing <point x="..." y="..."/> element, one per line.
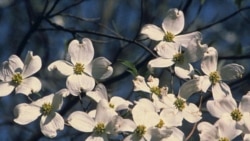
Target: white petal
<point x="192" y="113"/>
<point x="209" y="61"/>
<point x="45" y="99"/>
<point x="160" y="63"/>
<point x="194" y="51"/>
<point x="174" y="21"/>
<point x="5" y="72"/>
<point x="153" y="82"/>
<point x="247" y="137"/>
<point x="26" y="113"/>
<point x="120" y="103"/>
<point x="94" y="137"/>
<point x="29" y="85"/>
<point x="140" y="84"/>
<point x="81" y="121"/>
<point x="104" y="113"/>
<point x="231" y="72"/>
<point x="205" y="83"/>
<point x="245" y="103"/>
<point x="50" y="124"/>
<point x="5" y="89"/>
<point x="185" y="39"/>
<point x="15" y="64"/>
<point x="32" y="64"/>
<point x="171" y="117"/>
<point x="64" y="92"/>
<point x="167" y="49"/>
<point x="220" y="90"/>
<point x="99" y="93"/>
<point x="101" y="68"/>
<point x="121" y="125"/>
<point x="184" y="70"/>
<point x="79" y="83"/>
<point x="217" y="108"/>
<point x="223" y="124"/>
<point x="188" y="88"/>
<point x="64" y="67"/>
<point x="153" y="32"/>
<point x="81" y="52"/>
<point x="208" y="132"/>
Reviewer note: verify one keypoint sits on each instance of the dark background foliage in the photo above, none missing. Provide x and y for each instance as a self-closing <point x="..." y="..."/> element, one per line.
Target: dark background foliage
<point x="47" y="26"/>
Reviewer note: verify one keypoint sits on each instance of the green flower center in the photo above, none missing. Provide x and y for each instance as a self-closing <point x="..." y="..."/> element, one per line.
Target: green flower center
<point x="160" y="124"/>
<point x="17" y="79"/>
<point x="156" y="90"/>
<point x="99" y="128"/>
<point x="140" y="130"/>
<point x="46" y="108"/>
<point x="78" y="68"/>
<point x="169" y="37"/>
<point x="236" y="115"/>
<point x="111" y="105"/>
<point x="178" y="58"/>
<point x="214" y="77"/>
<point x="179" y="104"/>
<point x="224" y="139"/>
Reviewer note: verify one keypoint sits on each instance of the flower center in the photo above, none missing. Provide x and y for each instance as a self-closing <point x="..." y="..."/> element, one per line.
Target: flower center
<point x="178" y="58"/>
<point x="160" y="124"/>
<point x="46" y="108"/>
<point x="224" y="139"/>
<point x="179" y="104"/>
<point x="17" y="79"/>
<point x="111" y="105"/>
<point x="236" y="115"/>
<point x="156" y="90"/>
<point x="214" y="77"/>
<point x="140" y="130"/>
<point x="169" y="37"/>
<point x="78" y="68"/>
<point x="99" y="128"/>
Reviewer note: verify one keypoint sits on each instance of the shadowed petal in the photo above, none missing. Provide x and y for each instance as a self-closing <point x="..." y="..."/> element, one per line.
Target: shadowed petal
<point x="32" y="64"/>
<point x="29" y="85"/>
<point x="167" y="49"/>
<point x="185" y="39"/>
<point x="101" y="68"/>
<point x="231" y="72"/>
<point x="184" y="70"/>
<point x="153" y="32"/>
<point x="188" y="88"/>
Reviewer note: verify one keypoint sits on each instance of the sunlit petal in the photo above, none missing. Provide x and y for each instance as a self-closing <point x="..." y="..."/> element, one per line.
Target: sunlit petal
<point x="64" y="67"/>
<point x="32" y="64"/>
<point x="153" y="32"/>
<point x="209" y="61"/>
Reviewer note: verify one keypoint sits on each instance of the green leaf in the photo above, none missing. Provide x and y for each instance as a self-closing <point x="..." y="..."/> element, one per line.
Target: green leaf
<point x="131" y="67"/>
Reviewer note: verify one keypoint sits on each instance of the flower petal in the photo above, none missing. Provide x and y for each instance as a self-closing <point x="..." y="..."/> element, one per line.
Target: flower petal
<point x="120" y="103"/>
<point x="208" y="132"/>
<point x="104" y="113"/>
<point x="5" y="72"/>
<point x="160" y="63"/>
<point x="220" y="90"/>
<point x="245" y="103"/>
<point x="205" y="83"/>
<point x="32" y="64"/>
<point x="167" y="49"/>
<point x="192" y="113"/>
<point x="153" y="32"/>
<point x="121" y="125"/>
<point x="101" y="68"/>
<point x="99" y="93"/>
<point x="184" y="70"/>
<point x="97" y="137"/>
<point x="140" y="84"/>
<point x="64" y="67"/>
<point x="5" y="89"/>
<point x="185" y="39"/>
<point x="29" y="85"/>
<point x="174" y="21"/>
<point x="153" y="82"/>
<point x="209" y="61"/>
<point x="188" y="88"/>
<point x="171" y="117"/>
<point x="56" y="122"/>
<point x="81" y="52"/>
<point x="79" y="83"/>
<point x="45" y="99"/>
<point x="26" y="113"/>
<point x="15" y="64"/>
<point x="231" y="72"/>
<point x="81" y="121"/>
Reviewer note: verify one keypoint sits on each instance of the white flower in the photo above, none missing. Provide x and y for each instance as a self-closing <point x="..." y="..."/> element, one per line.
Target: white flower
<point x="117" y="103"/>
<point x="82" y="69"/>
<point x="172" y="25"/>
<point x="215" y="76"/>
<point x="14" y="74"/>
<point x="176" y="109"/>
<point x="99" y="126"/>
<point x="227" y="106"/>
<point x="45" y="107"/>
<point x="172" y="53"/>
<point x="222" y="130"/>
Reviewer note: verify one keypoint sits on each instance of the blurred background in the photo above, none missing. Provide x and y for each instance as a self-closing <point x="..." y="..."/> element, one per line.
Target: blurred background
<point x="47" y="26"/>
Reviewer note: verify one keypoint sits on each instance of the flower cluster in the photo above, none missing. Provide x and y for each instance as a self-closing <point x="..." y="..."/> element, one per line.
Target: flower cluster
<point x="157" y="114"/>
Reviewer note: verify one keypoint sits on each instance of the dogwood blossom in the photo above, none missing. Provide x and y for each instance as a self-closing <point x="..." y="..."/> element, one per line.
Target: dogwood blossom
<point x="14" y="74"/>
<point x="172" y="25"/>
<point x="45" y="107"/>
<point x="82" y="70"/>
<point x="99" y="126"/>
<point x="222" y="130"/>
<point x="215" y="76"/>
